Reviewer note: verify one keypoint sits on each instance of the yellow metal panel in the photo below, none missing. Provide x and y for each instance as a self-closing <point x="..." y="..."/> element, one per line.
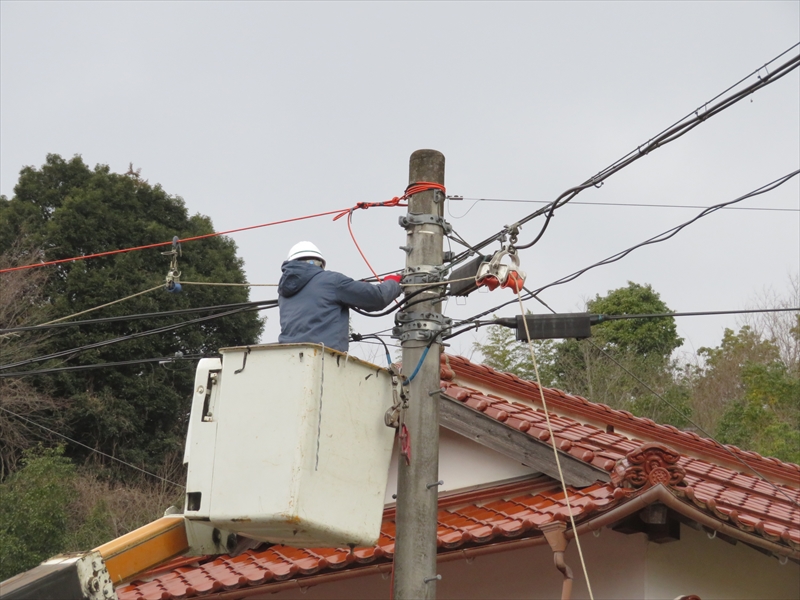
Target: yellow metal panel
<point x="144" y="548"/>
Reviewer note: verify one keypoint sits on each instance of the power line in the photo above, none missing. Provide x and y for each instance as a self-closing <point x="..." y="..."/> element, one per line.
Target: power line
<point x="671" y="133"/>
<point x="661" y="237"/>
<point x="698" y="314"/>
<point x="167" y="328"/>
<point x="624" y="204"/>
<point x="684" y="416"/>
<point x="69" y="439"/>
<point x="166" y="313"/>
<point x="123" y="363"/>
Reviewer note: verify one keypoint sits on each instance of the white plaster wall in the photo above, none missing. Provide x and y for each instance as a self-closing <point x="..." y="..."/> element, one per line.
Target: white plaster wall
<point x="714" y="569"/>
<point x="463" y="464"/>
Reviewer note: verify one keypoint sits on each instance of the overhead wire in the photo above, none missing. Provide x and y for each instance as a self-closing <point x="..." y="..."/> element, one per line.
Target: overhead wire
<point x="622" y="204"/>
<point x="646" y="386"/>
<point x="671" y="133"/>
<point x="555" y="450"/>
<point x="139" y="361"/>
<point x="681" y="414"/>
<point x="133" y="317"/>
<point x="661" y="237"/>
<point x="132" y="336"/>
<point x="95" y="450"/>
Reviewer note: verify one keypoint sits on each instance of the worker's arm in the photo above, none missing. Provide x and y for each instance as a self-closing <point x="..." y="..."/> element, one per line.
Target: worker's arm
<point x="367" y="296"/>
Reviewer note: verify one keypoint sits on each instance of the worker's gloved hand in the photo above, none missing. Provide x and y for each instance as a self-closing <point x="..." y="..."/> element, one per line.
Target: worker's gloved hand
<point x="396" y="278"/>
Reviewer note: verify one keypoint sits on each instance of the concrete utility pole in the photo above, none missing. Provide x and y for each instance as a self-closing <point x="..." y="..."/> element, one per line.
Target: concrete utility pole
<point x="415" y="573"/>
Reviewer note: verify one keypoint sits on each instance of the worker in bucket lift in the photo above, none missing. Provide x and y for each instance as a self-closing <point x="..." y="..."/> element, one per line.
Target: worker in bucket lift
<point x="315" y="303"/>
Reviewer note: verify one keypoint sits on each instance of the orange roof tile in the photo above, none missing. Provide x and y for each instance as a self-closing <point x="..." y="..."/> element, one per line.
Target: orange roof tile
<point x="507" y="512"/>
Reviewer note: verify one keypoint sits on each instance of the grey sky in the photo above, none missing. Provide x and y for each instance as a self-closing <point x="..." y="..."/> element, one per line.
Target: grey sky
<point x="254" y="112"/>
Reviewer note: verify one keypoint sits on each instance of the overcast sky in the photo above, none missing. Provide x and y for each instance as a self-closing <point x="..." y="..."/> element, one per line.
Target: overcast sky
<point x="254" y="112"/>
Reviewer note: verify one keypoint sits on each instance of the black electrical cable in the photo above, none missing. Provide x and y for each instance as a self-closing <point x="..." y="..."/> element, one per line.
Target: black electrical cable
<point x="357" y="337"/>
<point x="661" y="237"/>
<point x="709" y="313"/>
<point x="133" y="317"/>
<point x="166" y="359"/>
<point x="699" y="428"/>
<point x="405" y="304"/>
<point x="95" y="450"/>
<point x="678" y="129"/>
<point x="167" y="328"/>
<point x="623" y="204"/>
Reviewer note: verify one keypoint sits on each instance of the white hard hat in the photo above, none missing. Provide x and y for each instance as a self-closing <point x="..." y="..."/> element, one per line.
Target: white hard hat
<point x="305" y="250"/>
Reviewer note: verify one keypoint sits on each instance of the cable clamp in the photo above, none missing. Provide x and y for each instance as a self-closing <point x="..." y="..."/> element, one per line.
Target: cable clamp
<point x="422" y="274"/>
<point x="395" y="415"/>
<point x="411" y="220"/>
<point x="494" y="273"/>
<point x="173" y="280"/>
<point x="420" y="326"/>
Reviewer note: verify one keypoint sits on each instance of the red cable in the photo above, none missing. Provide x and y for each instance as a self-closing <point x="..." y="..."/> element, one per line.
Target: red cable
<point x="422" y="186"/>
<point x="189" y="239"/>
<point x="410" y="191"/>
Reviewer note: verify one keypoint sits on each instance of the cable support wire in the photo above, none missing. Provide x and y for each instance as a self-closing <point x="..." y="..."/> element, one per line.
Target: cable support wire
<point x="95" y="450"/>
<point x="735" y="456"/>
<point x="83" y="312"/>
<point x="411" y="190"/>
<point x="229" y="284"/>
<point x="677" y="411"/>
<point x="555" y="450"/>
<point x="671" y="133"/>
<point x="73" y="351"/>
<point x="661" y="237"/>
<point x="134" y="317"/>
<point x="476" y="201"/>
<point x="164" y="360"/>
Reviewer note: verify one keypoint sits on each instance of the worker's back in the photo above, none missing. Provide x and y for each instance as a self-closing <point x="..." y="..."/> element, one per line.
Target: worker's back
<point x="314" y="303"/>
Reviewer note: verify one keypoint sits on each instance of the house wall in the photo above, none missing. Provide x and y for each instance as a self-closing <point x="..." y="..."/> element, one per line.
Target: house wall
<point x="463" y="464"/>
<point x="712" y="568"/>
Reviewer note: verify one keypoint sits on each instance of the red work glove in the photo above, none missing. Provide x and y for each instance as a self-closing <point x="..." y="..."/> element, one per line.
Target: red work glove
<point x="396" y="278"/>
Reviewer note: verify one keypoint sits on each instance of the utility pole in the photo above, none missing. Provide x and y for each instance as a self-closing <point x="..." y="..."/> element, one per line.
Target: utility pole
<point x="418" y="328"/>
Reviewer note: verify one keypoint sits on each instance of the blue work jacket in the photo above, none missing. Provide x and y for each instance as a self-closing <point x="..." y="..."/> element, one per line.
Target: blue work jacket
<point x="314" y="303"/>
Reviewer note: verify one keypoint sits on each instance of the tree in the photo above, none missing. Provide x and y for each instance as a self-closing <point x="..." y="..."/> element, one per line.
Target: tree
<point x="136" y="412"/>
<point x="503" y="352"/>
<point x="583" y="367"/>
<point x="20" y="305"/>
<point x="34" y="510"/>
<point x="767" y="418"/>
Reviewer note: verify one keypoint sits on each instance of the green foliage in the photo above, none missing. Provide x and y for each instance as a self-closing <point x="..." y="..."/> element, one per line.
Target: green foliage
<point x="67" y="209"/>
<point x="766" y="418"/>
<point x="645" y="337"/>
<point x="503" y="352"/>
<point x="583" y="367"/>
<point x="34" y="510"/>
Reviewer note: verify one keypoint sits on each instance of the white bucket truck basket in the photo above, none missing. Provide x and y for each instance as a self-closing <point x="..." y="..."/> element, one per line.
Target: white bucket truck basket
<point x="287" y="444"/>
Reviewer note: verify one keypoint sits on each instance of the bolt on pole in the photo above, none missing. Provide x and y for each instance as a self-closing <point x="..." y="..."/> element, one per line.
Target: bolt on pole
<point x="415" y="574"/>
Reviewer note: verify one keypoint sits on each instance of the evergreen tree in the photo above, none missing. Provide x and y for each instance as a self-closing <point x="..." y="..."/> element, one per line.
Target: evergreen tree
<point x="138" y="412"/>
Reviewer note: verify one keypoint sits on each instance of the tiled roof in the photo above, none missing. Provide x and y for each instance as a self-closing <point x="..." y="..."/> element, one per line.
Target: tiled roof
<point x="581" y="409"/>
<point x="509" y="514"/>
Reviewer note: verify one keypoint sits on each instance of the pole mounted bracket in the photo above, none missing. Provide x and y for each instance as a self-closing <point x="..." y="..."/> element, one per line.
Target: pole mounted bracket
<point x="423" y="274"/>
<point x="410" y="220"/>
<point x="420" y="326"/>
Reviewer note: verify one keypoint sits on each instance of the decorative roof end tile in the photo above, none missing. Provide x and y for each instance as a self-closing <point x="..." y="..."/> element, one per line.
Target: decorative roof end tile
<point x="648" y="465"/>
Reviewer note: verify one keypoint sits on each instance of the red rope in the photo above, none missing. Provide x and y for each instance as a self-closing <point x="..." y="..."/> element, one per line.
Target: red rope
<point x="189" y="239"/>
<point x="416" y="188"/>
<point x="410" y="191"/>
